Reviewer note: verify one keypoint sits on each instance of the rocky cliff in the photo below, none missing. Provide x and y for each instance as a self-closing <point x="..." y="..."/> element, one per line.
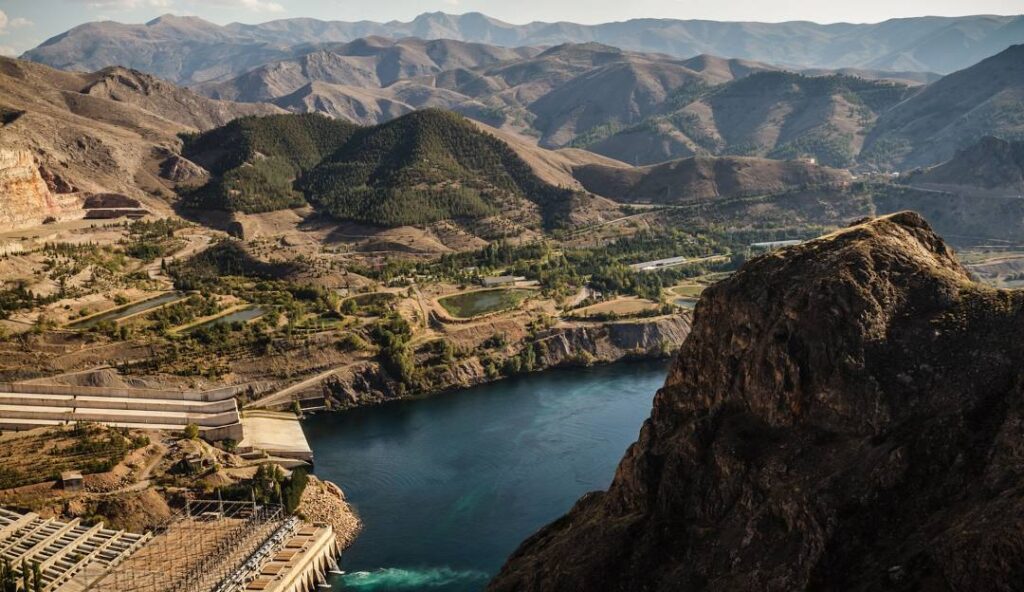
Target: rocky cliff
<point x="25" y="196"/>
<point x="845" y="415"/>
<point x="367" y="383"/>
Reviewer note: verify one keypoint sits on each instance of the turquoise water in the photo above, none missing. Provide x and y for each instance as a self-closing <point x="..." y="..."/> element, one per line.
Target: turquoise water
<point x="689" y="303"/>
<point x="449" y="486"/>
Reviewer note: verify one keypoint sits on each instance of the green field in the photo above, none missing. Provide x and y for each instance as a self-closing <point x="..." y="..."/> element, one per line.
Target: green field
<point x="472" y="304"/>
<point x="688" y="290"/>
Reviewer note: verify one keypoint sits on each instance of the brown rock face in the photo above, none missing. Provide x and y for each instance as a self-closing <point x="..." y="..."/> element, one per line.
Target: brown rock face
<point x="845" y="415"/>
<point x="25" y="197"/>
<point x="182" y="170"/>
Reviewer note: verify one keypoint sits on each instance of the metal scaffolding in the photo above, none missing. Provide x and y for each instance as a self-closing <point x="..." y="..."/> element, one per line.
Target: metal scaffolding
<point x="195" y="550"/>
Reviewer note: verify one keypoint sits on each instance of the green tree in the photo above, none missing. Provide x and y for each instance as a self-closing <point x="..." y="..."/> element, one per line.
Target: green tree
<point x="291" y="491"/>
<point x="8" y="580"/>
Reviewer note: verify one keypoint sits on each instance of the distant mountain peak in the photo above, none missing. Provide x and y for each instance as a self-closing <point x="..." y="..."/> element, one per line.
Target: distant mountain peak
<point x="175" y="20"/>
<point x="920" y="44"/>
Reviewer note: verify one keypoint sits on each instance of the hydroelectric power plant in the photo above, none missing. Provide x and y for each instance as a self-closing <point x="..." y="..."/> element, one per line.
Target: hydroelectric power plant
<point x="211" y="546"/>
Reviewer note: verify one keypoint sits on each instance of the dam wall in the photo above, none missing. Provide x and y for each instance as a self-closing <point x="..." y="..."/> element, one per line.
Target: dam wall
<point x="26" y="406"/>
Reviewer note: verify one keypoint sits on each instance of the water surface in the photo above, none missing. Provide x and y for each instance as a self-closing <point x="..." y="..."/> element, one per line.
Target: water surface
<point x="243" y="315"/>
<point x="449" y="486"/>
<point x="121" y="312"/>
<point x="471" y="304"/>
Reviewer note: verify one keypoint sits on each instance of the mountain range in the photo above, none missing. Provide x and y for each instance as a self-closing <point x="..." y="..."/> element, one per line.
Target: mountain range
<point x="119" y="130"/>
<point x="70" y="135"/>
<point x="986" y="99"/>
<point x="565" y="94"/>
<point x="203" y="51"/>
<point x="638" y="107"/>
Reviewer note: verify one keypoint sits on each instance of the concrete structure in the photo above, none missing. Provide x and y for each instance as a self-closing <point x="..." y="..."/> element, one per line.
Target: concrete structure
<point x="501" y="280"/>
<point x="72" y="480"/>
<point x="659" y="263"/>
<point x="296" y="559"/>
<point x="63" y="550"/>
<point x="278" y="434"/>
<point x="302" y="564"/>
<point x="26" y="406"/>
<point x="216" y="546"/>
<point x="772" y="245"/>
<point x="213" y="546"/>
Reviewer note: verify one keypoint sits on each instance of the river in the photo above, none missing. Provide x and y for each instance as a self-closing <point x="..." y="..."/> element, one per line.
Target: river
<point x="449" y="486"/>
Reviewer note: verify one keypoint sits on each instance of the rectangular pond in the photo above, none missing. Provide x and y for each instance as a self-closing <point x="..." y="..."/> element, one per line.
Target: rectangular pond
<point x="116" y="314"/>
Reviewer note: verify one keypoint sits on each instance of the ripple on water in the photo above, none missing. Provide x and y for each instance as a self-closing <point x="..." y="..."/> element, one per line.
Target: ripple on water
<point x="397" y="580"/>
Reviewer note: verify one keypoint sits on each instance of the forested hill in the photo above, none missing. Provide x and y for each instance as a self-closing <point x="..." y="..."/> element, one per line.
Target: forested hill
<point x="254" y="161"/>
<point x="427" y="166"/>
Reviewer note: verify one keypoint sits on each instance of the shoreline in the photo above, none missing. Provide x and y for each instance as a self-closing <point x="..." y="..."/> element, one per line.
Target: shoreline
<point x="453" y="390"/>
<point x="368" y="384"/>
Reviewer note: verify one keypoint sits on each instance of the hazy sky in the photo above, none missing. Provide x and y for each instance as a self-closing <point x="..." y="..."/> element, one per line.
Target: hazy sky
<point x="26" y="23"/>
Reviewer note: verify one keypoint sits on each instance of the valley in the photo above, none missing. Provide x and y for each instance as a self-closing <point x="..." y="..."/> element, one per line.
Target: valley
<point x="375" y="284"/>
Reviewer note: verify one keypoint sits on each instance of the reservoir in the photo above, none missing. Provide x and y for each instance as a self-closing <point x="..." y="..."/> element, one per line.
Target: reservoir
<point x="450" y="485"/>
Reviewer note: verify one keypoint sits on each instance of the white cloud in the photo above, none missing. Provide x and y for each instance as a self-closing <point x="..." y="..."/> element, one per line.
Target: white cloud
<point x="7" y="50"/>
<point x="7" y="23"/>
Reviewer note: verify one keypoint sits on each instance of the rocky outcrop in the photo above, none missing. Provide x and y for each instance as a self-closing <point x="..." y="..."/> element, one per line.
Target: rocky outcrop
<point x="847" y="414"/>
<point x="581" y="344"/>
<point x="611" y="342"/>
<point x="179" y="169"/>
<point x="323" y="502"/>
<point x="25" y="197"/>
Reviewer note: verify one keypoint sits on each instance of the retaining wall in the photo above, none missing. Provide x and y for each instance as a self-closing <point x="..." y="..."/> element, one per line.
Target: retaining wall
<point x="219" y="394"/>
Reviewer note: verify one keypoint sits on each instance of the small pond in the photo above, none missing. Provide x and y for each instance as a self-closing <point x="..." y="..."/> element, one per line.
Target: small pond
<point x="471" y="304"/>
